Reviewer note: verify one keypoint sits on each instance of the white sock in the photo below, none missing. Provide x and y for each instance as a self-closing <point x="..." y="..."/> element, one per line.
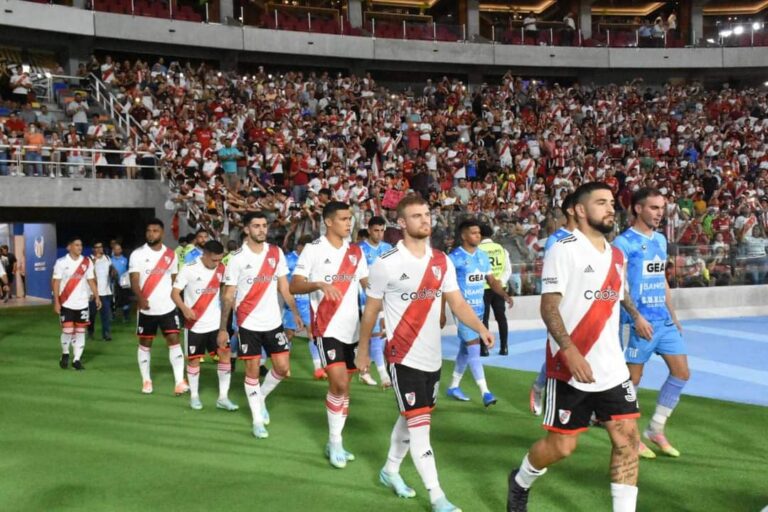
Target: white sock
<point x="144" y="360"/>
<point x="659" y="418"/>
<point x="254" y="399"/>
<point x="66" y="340"/>
<point x="527" y="474"/>
<point x="225" y="374"/>
<point x="317" y="364"/>
<point x="193" y="376"/>
<point x="79" y="344"/>
<point x="334" y="406"/>
<point x="624" y="497"/>
<point x="383" y="375"/>
<point x="270" y="383"/>
<point x="483" y="386"/>
<point x="399" y="443"/>
<point x="456" y="379"/>
<point x="176" y="356"/>
<point x="423" y="456"/>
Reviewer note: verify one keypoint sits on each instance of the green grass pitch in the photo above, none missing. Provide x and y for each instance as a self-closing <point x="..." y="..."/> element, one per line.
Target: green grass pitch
<point x="90" y="441"/>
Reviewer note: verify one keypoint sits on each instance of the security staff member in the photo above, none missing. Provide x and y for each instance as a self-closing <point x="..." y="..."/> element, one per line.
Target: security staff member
<point x="502" y="270"/>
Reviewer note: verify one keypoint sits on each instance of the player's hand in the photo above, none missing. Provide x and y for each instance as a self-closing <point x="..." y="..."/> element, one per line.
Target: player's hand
<point x="443" y="320"/>
<point x="222" y="339"/>
<point x="578" y="365"/>
<point x="509" y="300"/>
<point x="362" y="362"/>
<point x="57" y="308"/>
<point x="299" y="323"/>
<point x="331" y="292"/>
<point x="98" y="303"/>
<point x="487" y="338"/>
<point x="142" y="303"/>
<point x="679" y="326"/>
<point x="189" y="314"/>
<point x="643" y="328"/>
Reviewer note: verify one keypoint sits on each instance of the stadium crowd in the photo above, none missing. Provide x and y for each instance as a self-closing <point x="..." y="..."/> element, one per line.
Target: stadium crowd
<point x="509" y="153"/>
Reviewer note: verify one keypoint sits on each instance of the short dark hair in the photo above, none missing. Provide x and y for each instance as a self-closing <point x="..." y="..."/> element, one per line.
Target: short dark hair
<point x="377" y="220"/>
<point x="248" y="217"/>
<point x="586" y="190"/>
<point x="232" y="245"/>
<point x="362" y="233"/>
<point x="183" y="239"/>
<point x="156" y="222"/>
<point x="640" y="195"/>
<point x="73" y="238"/>
<point x="331" y="208"/>
<point x="325" y="191"/>
<point x="486" y="231"/>
<point x="201" y="230"/>
<point x="568" y="202"/>
<point x="471" y="222"/>
<point x="304" y="240"/>
<point x="410" y="200"/>
<point x="213" y="246"/>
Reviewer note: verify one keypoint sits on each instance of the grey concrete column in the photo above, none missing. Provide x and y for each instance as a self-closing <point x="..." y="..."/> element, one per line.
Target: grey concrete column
<point x="226" y="10"/>
<point x="697" y="20"/>
<point x="80" y="4"/>
<point x="473" y="19"/>
<point x="355" y="13"/>
<point x="585" y="18"/>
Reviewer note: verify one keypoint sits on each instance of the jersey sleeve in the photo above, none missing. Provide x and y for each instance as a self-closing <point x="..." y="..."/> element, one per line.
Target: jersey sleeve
<point x="282" y="265"/>
<point x="362" y="269"/>
<point x="57" y="270"/>
<point x="377" y="280"/>
<point x="175" y="264"/>
<point x="622" y="243"/>
<point x="90" y="273"/>
<point x="133" y="262"/>
<point x="230" y="273"/>
<point x="450" y="283"/>
<point x="304" y="264"/>
<point x="551" y="239"/>
<point x="554" y="275"/>
<point x="182" y="278"/>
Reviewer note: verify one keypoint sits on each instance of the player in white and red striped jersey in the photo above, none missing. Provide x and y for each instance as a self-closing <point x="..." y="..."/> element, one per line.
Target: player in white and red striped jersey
<point x="73" y="275"/>
<point x="329" y="269"/>
<point x="410" y="282"/>
<point x="582" y="284"/>
<point x="200" y="283"/>
<point x="152" y="269"/>
<point x="256" y="274"/>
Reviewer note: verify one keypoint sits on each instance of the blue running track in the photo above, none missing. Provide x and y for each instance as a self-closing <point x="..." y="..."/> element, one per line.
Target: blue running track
<point x="728" y="358"/>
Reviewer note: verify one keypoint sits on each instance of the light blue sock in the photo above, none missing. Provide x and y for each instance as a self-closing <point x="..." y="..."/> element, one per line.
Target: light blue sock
<point x="670" y="392"/>
<point x="461" y="359"/>
<point x="313" y="351"/>
<point x="541" y="378"/>
<point x="377" y="351"/>
<point x="475" y="364"/>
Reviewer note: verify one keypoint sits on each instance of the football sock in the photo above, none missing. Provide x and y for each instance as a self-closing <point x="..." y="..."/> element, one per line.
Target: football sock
<point x="224" y="371"/>
<point x="66" y="340"/>
<point x="461" y="365"/>
<point x="476" y="367"/>
<point x="669" y="396"/>
<point x="624" y="497"/>
<point x="423" y="456"/>
<point x="345" y="407"/>
<point x="193" y="376"/>
<point x="176" y="356"/>
<point x="79" y="343"/>
<point x="315" y="355"/>
<point x="144" y="358"/>
<point x="541" y="378"/>
<point x="399" y="443"/>
<point x="254" y="399"/>
<point x="527" y="474"/>
<point x="270" y="383"/>
<point x="377" y="352"/>
<point x="334" y="405"/>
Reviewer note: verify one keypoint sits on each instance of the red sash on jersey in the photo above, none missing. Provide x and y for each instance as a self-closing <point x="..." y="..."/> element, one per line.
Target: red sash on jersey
<point x="203" y="301"/>
<point x="416" y="313"/>
<point x="260" y="285"/>
<point x="327" y="309"/>
<point x="163" y="264"/>
<point x="74" y="280"/>
<point x="589" y="328"/>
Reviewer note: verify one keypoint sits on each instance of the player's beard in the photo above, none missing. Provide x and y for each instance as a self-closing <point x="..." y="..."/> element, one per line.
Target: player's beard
<point x="153" y="243"/>
<point x="259" y="239"/>
<point x="420" y="233"/>
<point x="604" y="226"/>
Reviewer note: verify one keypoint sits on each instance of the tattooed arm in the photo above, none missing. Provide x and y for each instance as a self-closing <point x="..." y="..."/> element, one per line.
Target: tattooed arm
<point x="550" y="313"/>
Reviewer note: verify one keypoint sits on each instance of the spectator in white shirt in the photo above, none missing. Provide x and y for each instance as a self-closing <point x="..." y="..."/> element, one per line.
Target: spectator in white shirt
<point x="102" y="268"/>
<point x="78" y="110"/>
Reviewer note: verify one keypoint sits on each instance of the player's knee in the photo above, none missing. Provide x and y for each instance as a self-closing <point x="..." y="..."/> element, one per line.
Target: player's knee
<point x="564" y="445"/>
<point x="682" y="373"/>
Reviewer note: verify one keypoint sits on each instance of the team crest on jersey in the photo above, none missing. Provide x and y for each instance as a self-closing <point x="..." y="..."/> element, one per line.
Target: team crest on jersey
<point x="167" y="259"/>
<point x="332" y="354"/>
<point x="192" y="350"/>
<point x="410" y="398"/>
<point x="244" y="348"/>
<point x="437" y="271"/>
<point x="272" y="262"/>
<point x="564" y="415"/>
<point x="218" y="276"/>
<point x="353" y="259"/>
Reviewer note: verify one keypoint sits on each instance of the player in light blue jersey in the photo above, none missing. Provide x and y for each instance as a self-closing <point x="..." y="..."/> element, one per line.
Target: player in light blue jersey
<point x="473" y="270"/>
<point x="373" y="247"/>
<point x="536" y="398"/>
<point x="302" y="304"/>
<point x="653" y="326"/>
